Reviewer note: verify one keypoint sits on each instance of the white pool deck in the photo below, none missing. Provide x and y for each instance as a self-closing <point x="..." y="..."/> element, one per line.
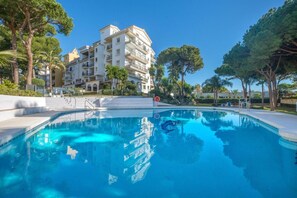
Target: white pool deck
<point x="12" y="128"/>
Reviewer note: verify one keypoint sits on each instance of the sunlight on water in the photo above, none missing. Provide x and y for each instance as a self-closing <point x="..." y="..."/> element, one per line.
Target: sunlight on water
<point x="101" y="138"/>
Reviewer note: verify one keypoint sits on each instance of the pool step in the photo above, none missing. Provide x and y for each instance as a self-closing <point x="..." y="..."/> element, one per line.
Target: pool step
<point x="13" y="113"/>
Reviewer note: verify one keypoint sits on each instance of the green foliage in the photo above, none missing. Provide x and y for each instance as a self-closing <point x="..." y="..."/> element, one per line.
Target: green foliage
<point x="6" y="57"/>
<point x="234" y="101"/>
<point x="107" y="92"/>
<point x="9" y="88"/>
<point x="38" y="82"/>
<point x="9" y="84"/>
<point x="156" y="73"/>
<point x="31" y="18"/>
<point x="216" y="84"/>
<point x="52" y="61"/>
<point x="257" y="96"/>
<point x="181" y="61"/>
<point x="268" y="52"/>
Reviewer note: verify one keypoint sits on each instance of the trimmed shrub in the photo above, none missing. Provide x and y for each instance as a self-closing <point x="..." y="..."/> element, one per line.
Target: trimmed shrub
<point x="38" y="82"/>
<point x="225" y="100"/>
<point x="9" y="88"/>
<point x="106" y="91"/>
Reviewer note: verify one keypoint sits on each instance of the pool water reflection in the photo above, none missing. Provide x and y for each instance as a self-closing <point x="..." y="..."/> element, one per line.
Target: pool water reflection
<point x="120" y="153"/>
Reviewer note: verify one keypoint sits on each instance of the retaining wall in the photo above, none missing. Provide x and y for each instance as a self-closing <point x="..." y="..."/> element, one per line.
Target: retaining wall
<point x="19" y="102"/>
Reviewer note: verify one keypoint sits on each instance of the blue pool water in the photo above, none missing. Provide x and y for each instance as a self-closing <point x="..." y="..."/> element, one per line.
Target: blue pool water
<point x="150" y="153"/>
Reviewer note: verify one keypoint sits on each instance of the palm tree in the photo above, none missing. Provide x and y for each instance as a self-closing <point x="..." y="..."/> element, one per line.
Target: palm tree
<point x="52" y="61"/>
<point x="112" y="73"/>
<point x="216" y="83"/>
<point x="156" y="72"/>
<point x="123" y="77"/>
<point x="235" y="93"/>
<point x="7" y="56"/>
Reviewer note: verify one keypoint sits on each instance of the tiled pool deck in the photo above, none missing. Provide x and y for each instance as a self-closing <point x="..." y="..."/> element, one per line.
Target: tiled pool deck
<point x="285" y="123"/>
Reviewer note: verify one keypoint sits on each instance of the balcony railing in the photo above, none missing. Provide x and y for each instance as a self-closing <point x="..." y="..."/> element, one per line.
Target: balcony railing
<point x="138" y="45"/>
<point x="88" y="74"/>
<point x="84" y="59"/>
<point x="108" y="58"/>
<point x="109" y="47"/>
<point x="138" y="56"/>
<point x="137" y="67"/>
<point x="87" y="65"/>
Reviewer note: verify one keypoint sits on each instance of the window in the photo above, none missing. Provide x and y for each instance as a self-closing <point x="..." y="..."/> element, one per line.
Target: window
<point x="148" y="87"/>
<point x="118" y="52"/>
<point x="96" y="59"/>
<point x="118" y="63"/>
<point x="118" y="40"/>
<point x="96" y="49"/>
<point x="143" y="86"/>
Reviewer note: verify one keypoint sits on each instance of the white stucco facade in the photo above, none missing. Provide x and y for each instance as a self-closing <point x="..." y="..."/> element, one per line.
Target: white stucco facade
<point x="130" y="48"/>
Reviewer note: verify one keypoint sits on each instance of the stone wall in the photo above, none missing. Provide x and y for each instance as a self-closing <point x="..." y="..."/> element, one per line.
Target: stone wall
<point x="19" y="102"/>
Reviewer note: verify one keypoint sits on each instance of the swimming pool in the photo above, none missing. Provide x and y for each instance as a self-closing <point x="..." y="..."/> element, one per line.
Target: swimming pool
<point x="150" y="153"/>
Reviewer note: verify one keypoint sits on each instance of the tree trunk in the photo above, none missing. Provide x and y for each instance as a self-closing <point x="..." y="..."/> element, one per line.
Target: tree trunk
<point x="244" y="90"/>
<point x="15" y="66"/>
<point x="269" y="84"/>
<point x="28" y="47"/>
<point x="182" y="87"/>
<point x="250" y="92"/>
<point x="51" y="80"/>
<point x="262" y="95"/>
<point x="274" y="92"/>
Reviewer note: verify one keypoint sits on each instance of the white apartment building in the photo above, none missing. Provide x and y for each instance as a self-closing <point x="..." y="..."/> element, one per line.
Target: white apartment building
<point x="130" y="48"/>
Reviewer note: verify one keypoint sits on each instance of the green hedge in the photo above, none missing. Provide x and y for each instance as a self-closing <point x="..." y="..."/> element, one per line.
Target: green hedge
<point x="38" y="82"/>
<point x="9" y="88"/>
<point x="18" y="92"/>
<point x="225" y="100"/>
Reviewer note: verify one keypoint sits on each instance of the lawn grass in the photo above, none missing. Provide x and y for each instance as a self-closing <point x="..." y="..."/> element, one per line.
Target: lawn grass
<point x="282" y="109"/>
<point x="204" y="105"/>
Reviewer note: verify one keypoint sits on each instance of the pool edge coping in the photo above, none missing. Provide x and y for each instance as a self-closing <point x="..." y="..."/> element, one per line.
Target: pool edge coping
<point x="282" y="132"/>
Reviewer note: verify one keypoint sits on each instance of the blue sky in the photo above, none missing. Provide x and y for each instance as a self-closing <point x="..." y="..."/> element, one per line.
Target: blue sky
<point x="212" y="26"/>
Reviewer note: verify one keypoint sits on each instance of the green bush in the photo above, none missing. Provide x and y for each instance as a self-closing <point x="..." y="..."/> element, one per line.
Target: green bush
<point x="225" y="100"/>
<point x="106" y="92"/>
<point x="9" y="88"/>
<point x="9" y="84"/>
<point x="38" y="82"/>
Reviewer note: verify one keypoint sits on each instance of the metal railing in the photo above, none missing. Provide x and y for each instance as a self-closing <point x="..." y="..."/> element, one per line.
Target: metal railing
<point x="88" y="104"/>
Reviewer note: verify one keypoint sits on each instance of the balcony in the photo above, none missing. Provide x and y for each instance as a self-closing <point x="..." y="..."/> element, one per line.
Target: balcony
<point x="108" y="58"/>
<point x="138" y="45"/>
<point x="87" y="74"/>
<point x="135" y="67"/>
<point x="132" y="54"/>
<point x="84" y="59"/>
<point x="87" y="66"/>
<point x="153" y="59"/>
<point x="109" y="47"/>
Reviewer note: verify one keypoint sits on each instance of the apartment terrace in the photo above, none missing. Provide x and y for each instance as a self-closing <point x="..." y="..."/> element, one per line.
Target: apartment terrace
<point x="134" y="54"/>
<point x="136" y="67"/>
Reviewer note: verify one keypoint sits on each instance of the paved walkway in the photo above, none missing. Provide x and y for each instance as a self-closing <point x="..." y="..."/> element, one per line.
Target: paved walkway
<point x="9" y="129"/>
<point x="287" y="124"/>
